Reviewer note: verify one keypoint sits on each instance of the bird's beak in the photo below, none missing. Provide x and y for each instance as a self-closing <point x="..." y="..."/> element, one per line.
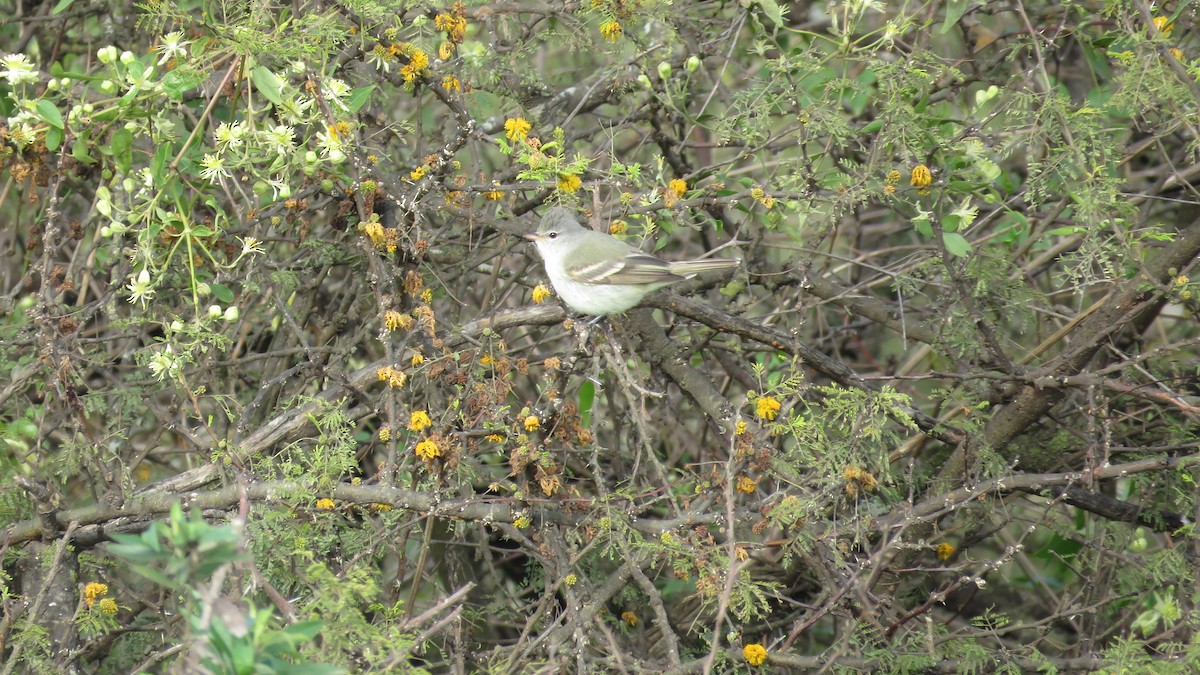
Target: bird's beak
<point x="532" y="236"/>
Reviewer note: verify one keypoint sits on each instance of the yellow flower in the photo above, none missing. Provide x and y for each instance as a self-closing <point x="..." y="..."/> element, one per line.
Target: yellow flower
<point x="377" y="506"/>
<point x="393" y="320"/>
<point x="611" y="30"/>
<point x="570" y="580"/>
<point x="417" y="173"/>
<point x="108" y="606"/>
<point x="427" y="450"/>
<point x="494" y="438"/>
<point x="385" y="434"/>
<point x="617" y="227"/>
<point x="451" y="83"/>
<point x="629" y="618"/>
<point x="419" y="420"/>
<point x="532" y="423"/>
<point x="893" y="176"/>
<point x="418" y="359"/>
<point x="516" y="128"/>
<point x="1176" y="53"/>
<point x="325" y="504"/>
<point x="1164" y="25"/>
<point x="746" y="485"/>
<point x="427" y="296"/>
<point x="569" y="183"/>
<point x="755" y="654"/>
<point x="889" y="189"/>
<point x="740" y="428"/>
<point x="523" y="521"/>
<point x="945" y="550"/>
<point x="540" y="293"/>
<point x="678" y="186"/>
<point x="762" y="197"/>
<point x="494" y="195"/>
<point x="920" y="176"/>
<point x="767" y="407"/>
<point x="93" y="591"/>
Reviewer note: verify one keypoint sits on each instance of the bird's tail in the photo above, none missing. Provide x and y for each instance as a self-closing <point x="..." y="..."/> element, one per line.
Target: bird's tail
<point x="687" y="268"/>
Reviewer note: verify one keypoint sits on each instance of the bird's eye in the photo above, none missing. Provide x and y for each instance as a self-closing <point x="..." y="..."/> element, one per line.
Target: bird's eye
<point x="552" y="235"/>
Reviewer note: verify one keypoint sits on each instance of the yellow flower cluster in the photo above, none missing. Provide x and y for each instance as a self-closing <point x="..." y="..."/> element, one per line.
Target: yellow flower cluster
<point x="419" y="420"/>
<point x="451" y="83"/>
<point x="516" y="129"/>
<point x="395" y="378"/>
<point x="856" y="479"/>
<point x="427" y="450"/>
<point x="678" y="186"/>
<point x="540" y="293"/>
<point x="454" y="24"/>
<point x="921" y="179"/>
<point x="746" y="485"/>
<point x="611" y="30"/>
<point x="945" y="550"/>
<point x="532" y="423"/>
<point x="108" y="606"/>
<point x="326" y="504"/>
<point x="385" y="434"/>
<point x="393" y="320"/>
<point x="569" y="183"/>
<point x="740" y="429"/>
<point x="417" y="359"/>
<point x="94" y="591"/>
<point x="767" y="407"/>
<point x="755" y="654"/>
<point x="763" y="198"/>
<point x="629" y="618"/>
<point x="494" y="195"/>
<point x="417" y="173"/>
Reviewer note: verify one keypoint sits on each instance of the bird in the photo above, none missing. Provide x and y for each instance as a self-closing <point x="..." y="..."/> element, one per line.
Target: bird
<point x="599" y="275"/>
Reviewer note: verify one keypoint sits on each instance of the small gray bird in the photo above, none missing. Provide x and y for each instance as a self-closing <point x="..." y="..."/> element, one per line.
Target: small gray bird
<point x="598" y="274"/>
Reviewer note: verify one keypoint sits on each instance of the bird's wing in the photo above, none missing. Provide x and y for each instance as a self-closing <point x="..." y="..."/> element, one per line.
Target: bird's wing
<point x="635" y="268"/>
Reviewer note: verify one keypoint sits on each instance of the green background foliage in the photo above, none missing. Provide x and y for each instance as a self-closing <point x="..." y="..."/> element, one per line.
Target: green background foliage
<point x="280" y="374"/>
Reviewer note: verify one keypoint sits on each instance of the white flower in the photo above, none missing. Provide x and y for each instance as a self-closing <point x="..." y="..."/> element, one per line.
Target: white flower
<point x="279" y="190"/>
<point x="140" y="288"/>
<point x="230" y="136"/>
<point x="330" y="143"/>
<point x="17" y="69"/>
<point x="231" y="314"/>
<point x="251" y="245"/>
<point x="215" y="311"/>
<point x="294" y="110"/>
<point x="214" y="168"/>
<point x="281" y="138"/>
<point x="172" y="45"/>
<point x="164" y="363"/>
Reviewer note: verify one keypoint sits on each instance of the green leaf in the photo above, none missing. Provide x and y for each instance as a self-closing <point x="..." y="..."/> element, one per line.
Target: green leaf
<point x="587" y="396"/>
<point x="80" y="149"/>
<point x="267" y="84"/>
<point x="158" y="166"/>
<point x="62" y="5"/>
<point x="956" y="244"/>
<point x="773" y="11"/>
<point x="122" y="149"/>
<point x="954" y="11"/>
<point x="50" y="113"/>
<point x="222" y="293"/>
<point x="359" y="97"/>
<point x="180" y="81"/>
<point x="54" y="138"/>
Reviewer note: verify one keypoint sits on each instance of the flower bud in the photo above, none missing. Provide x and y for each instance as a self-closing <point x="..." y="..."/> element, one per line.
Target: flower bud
<point x="231" y="314"/>
<point x="127" y="57"/>
<point x="693" y="63"/>
<point x="664" y="70"/>
<point x="214" y="311"/>
<point x="645" y="81"/>
<point x="107" y="54"/>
